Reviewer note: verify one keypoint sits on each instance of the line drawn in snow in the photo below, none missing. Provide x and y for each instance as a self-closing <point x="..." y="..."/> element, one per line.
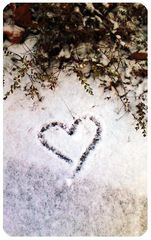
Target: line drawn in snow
<point x="71" y="131"/>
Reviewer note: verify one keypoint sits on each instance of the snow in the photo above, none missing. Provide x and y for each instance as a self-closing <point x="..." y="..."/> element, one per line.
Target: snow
<point x="42" y="196"/>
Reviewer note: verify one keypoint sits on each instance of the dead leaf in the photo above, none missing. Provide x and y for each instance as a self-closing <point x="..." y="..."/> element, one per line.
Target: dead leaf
<point x="138" y="56"/>
<point x="23" y="16"/>
<point x="14" y="33"/>
<point x="140" y="72"/>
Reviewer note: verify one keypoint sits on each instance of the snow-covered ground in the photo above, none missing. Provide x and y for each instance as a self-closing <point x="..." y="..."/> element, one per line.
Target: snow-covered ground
<point x="45" y="195"/>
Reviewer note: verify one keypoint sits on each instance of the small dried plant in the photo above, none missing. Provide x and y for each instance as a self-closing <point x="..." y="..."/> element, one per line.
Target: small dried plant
<point x="106" y="42"/>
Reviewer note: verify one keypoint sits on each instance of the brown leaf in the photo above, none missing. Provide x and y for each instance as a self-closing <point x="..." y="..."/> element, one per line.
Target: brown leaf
<point x="14" y="33"/>
<point x="138" y="56"/>
<point x="140" y="72"/>
<point x="23" y="16"/>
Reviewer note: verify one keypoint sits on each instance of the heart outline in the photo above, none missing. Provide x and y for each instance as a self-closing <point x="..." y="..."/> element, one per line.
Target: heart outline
<point x="70" y="131"/>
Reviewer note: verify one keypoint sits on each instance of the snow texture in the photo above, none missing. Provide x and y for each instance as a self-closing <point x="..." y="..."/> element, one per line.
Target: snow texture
<point x="74" y="165"/>
<point x="70" y="132"/>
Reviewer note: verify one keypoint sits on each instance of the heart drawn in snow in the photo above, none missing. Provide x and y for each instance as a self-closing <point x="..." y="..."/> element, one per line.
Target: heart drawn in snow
<point x="71" y="131"/>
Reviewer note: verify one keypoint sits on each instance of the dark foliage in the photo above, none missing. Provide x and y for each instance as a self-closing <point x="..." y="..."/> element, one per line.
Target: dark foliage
<point x="77" y="37"/>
